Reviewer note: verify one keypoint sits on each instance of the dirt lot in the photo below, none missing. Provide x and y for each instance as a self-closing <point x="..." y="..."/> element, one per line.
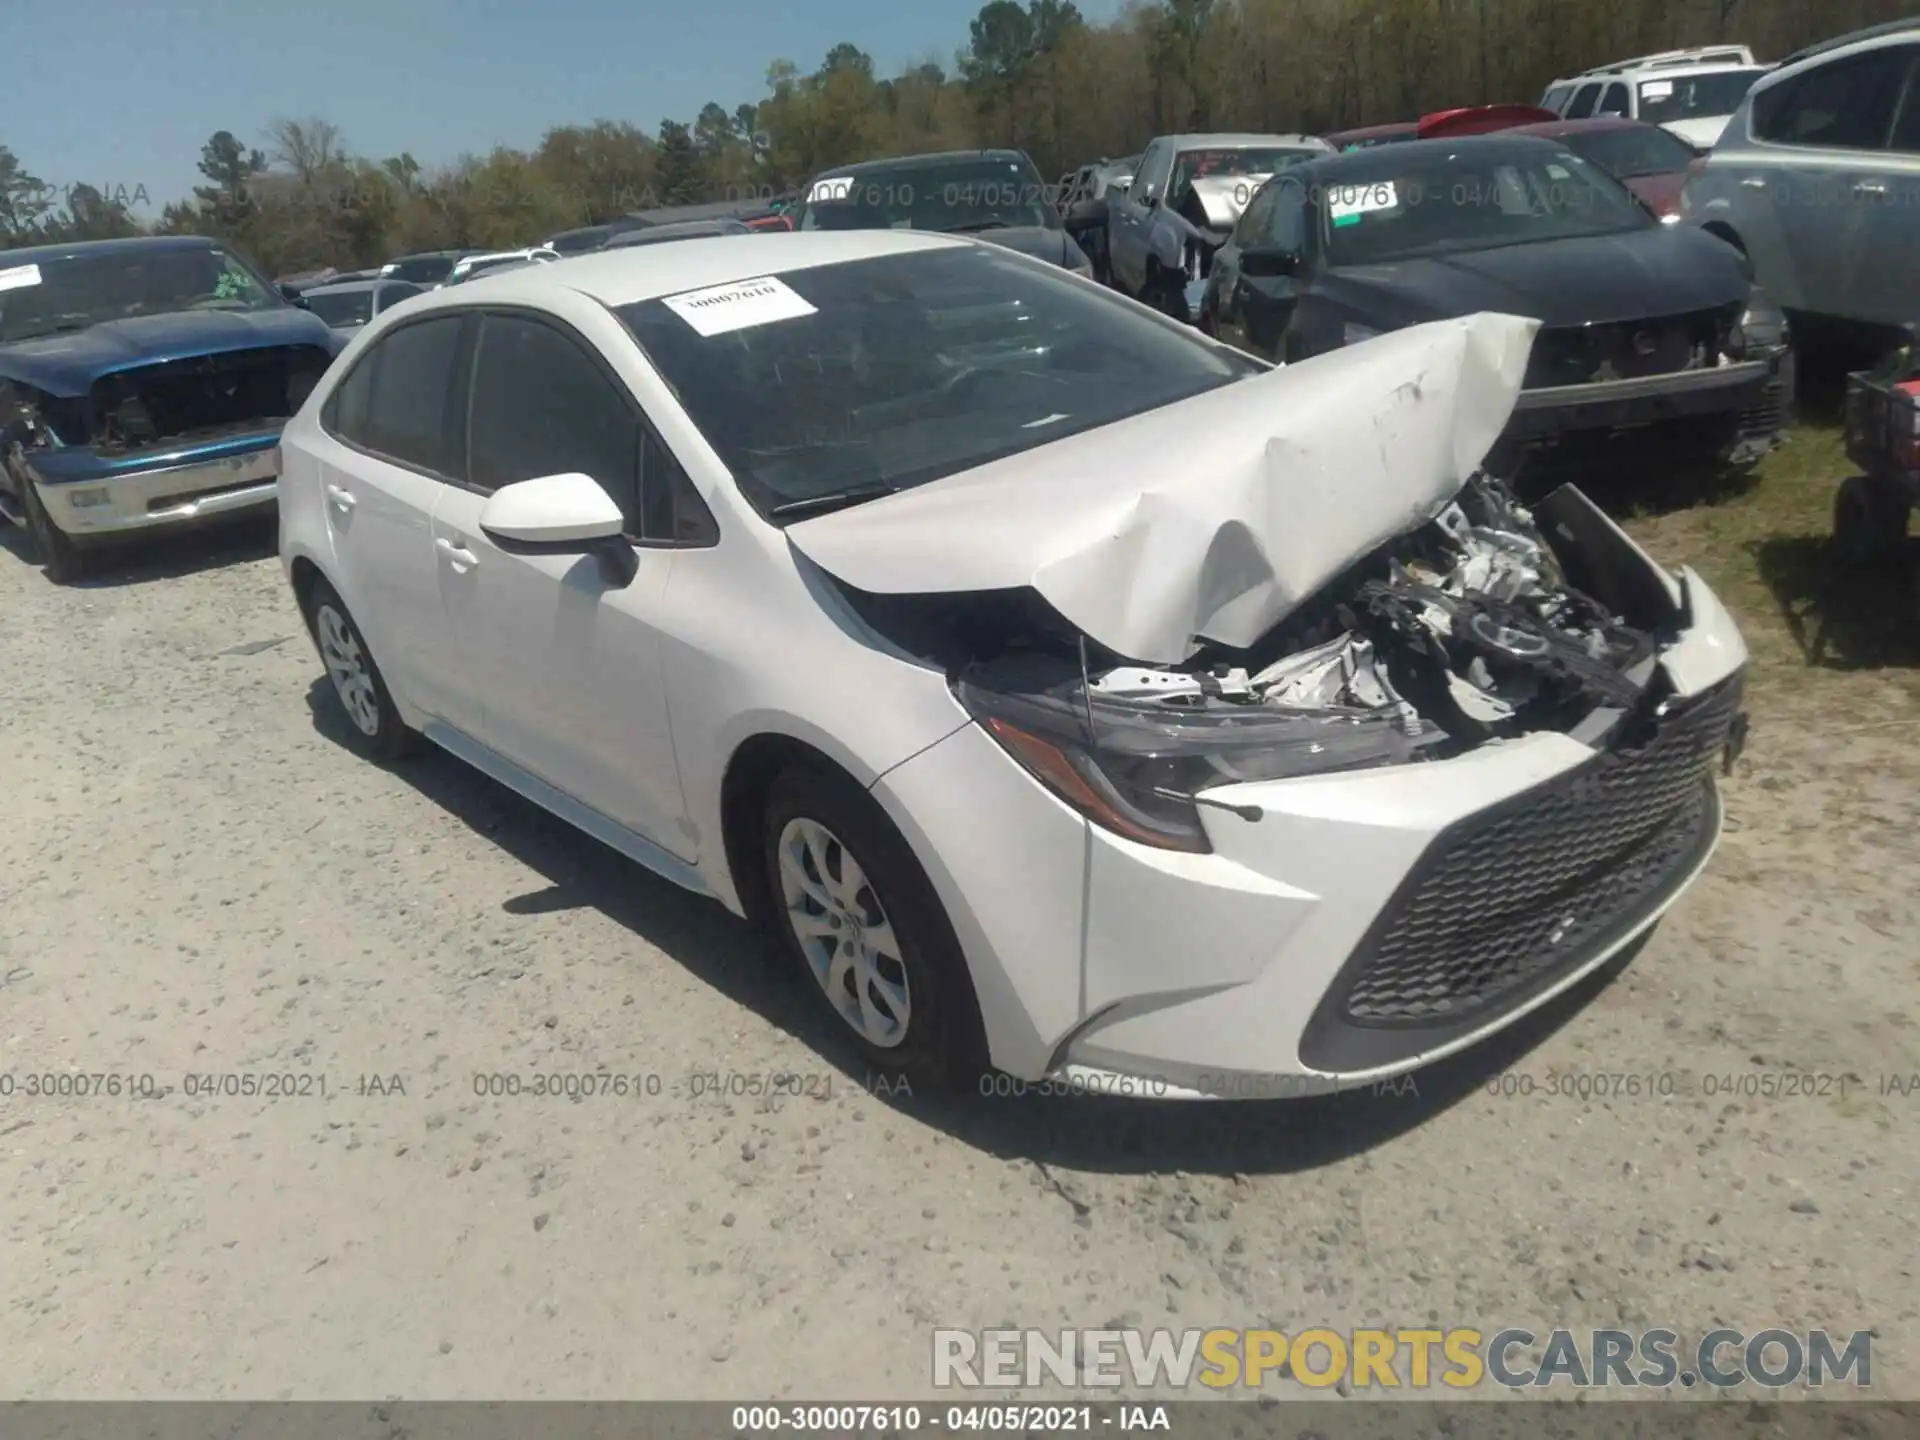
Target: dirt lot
<point x="197" y="877"/>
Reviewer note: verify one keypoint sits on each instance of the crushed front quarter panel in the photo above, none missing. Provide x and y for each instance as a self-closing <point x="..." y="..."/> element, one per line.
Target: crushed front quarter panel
<point x="1212" y="518"/>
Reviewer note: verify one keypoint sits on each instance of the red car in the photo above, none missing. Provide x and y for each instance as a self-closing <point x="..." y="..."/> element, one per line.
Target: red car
<point x="1370" y="135"/>
<point x="1441" y="125"/>
<point x="1649" y="160"/>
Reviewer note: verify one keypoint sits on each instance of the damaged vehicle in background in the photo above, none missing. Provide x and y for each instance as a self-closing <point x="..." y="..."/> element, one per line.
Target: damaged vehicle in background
<point x="1186" y="194"/>
<point x="143" y="384"/>
<point x="847" y="601"/>
<point x="1655" y="337"/>
<point x="992" y="195"/>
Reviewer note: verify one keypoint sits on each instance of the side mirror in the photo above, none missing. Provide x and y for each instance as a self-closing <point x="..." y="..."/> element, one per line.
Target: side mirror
<point x="1269" y="262"/>
<point x="565" y="514"/>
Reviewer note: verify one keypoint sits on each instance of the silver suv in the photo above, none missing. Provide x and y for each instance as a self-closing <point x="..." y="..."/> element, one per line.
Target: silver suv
<point x="1817" y="179"/>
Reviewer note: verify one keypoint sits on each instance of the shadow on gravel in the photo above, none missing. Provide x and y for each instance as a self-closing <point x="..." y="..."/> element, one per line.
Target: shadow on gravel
<point x="1076" y="1132"/>
<point x="1858" y="617"/>
<point x="146" y="559"/>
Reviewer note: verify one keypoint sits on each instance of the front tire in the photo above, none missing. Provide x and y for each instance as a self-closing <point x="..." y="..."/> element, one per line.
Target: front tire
<point x="853" y="909"/>
<point x="60" y="554"/>
<point x="375" y="728"/>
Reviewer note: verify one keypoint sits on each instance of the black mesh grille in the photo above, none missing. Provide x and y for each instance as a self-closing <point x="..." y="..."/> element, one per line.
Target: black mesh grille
<point x="1523" y="889"/>
<point x="1659" y="345"/>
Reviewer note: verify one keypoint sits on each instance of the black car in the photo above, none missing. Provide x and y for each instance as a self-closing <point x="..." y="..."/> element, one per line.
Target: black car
<point x="1648" y="331"/>
<point x="993" y="195"/>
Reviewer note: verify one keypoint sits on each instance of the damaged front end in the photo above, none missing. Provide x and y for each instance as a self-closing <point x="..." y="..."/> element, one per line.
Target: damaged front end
<point x="1200" y="225"/>
<point x="1471" y="630"/>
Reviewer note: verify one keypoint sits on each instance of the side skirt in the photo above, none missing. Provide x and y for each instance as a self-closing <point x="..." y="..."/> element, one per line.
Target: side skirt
<point x="611" y="833"/>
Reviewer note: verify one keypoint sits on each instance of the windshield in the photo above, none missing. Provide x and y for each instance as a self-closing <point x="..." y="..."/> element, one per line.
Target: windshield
<point x="832" y="384"/>
<point x="421" y="269"/>
<point x="1192" y="165"/>
<point x="76" y="291"/>
<point x="1428" y="200"/>
<point x="948" y="195"/>
<point x="1631" y="150"/>
<point x="341" y="307"/>
<point x="1685" y="96"/>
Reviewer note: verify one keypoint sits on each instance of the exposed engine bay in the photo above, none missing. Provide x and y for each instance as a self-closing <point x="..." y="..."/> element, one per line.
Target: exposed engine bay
<point x="200" y="398"/>
<point x="203" y="396"/>
<point x="1465" y="631"/>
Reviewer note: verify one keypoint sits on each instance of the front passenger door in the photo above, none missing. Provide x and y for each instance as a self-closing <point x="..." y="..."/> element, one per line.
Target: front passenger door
<point x="564" y="662"/>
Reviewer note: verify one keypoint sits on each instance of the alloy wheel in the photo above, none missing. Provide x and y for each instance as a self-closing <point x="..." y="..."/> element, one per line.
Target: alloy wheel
<point x="346" y="663"/>
<point x="844" y="932"/>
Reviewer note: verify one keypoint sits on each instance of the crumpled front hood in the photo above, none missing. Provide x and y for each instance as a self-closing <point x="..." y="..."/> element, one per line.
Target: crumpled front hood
<point x="68" y="364"/>
<point x="1223" y="197"/>
<point x="1211" y="518"/>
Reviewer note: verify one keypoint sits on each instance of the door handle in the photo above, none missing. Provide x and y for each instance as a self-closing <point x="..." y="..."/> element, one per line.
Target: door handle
<point x="341" y="498"/>
<point x="1869" y="187"/>
<point x="460" y="557"/>
<point x="1754" y="182"/>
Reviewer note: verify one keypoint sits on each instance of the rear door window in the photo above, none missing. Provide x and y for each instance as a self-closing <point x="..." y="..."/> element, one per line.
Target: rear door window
<point x="1844" y="105"/>
<point x="402" y="411"/>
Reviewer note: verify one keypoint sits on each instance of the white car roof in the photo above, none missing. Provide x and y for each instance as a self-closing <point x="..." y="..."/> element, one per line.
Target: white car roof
<point x="646" y="272"/>
<point x="1659" y="72"/>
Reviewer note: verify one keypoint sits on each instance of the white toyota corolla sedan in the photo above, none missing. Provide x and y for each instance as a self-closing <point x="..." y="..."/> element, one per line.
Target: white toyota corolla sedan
<point x="1068" y="693"/>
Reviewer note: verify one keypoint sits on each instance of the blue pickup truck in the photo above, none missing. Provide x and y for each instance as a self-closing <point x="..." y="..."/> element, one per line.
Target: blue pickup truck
<point x="143" y="385"/>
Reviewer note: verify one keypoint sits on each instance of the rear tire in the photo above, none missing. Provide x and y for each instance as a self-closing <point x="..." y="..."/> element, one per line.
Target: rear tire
<point x="375" y="729"/>
<point x="61" y="556"/>
<point x="854" y="911"/>
<point x="1869" y="521"/>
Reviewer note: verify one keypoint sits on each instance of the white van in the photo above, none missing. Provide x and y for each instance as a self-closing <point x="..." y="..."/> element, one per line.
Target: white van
<point x="1692" y="93"/>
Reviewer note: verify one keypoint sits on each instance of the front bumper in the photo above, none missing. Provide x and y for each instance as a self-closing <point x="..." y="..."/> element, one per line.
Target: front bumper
<point x="87" y="494"/>
<point x="1751" y="399"/>
<point x="1365" y="925"/>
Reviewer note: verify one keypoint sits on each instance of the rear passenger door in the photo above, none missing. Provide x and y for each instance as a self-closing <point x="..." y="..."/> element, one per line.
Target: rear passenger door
<point x="1826" y="176"/>
<point x="1886" y="276"/>
<point x="391" y="422"/>
<point x="563" y="663"/>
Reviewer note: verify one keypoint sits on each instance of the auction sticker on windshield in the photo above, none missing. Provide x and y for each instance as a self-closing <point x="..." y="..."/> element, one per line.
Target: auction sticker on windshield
<point x="1347" y="203"/>
<point x="739" y="305"/>
<point x="18" y="276"/>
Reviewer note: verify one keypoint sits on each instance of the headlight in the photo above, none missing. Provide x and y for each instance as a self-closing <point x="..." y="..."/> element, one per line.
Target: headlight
<point x="1352" y="334"/>
<point x="1138" y="768"/>
<point x="1760" y="330"/>
<point x="1672" y="217"/>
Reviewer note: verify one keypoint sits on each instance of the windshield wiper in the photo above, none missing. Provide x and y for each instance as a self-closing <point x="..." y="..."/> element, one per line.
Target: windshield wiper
<point x="832" y="500"/>
<point x="992" y="222"/>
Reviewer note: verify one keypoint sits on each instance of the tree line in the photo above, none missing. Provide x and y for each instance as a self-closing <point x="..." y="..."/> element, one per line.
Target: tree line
<point x="1034" y="76"/>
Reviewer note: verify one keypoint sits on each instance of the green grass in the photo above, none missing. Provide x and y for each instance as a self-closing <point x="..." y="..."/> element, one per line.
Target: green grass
<point x="1823" y="639"/>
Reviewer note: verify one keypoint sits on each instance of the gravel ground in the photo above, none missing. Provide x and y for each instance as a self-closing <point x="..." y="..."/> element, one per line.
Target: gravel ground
<point x="197" y="877"/>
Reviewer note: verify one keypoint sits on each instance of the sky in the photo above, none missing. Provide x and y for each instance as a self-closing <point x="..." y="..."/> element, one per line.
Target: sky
<point x="121" y="94"/>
